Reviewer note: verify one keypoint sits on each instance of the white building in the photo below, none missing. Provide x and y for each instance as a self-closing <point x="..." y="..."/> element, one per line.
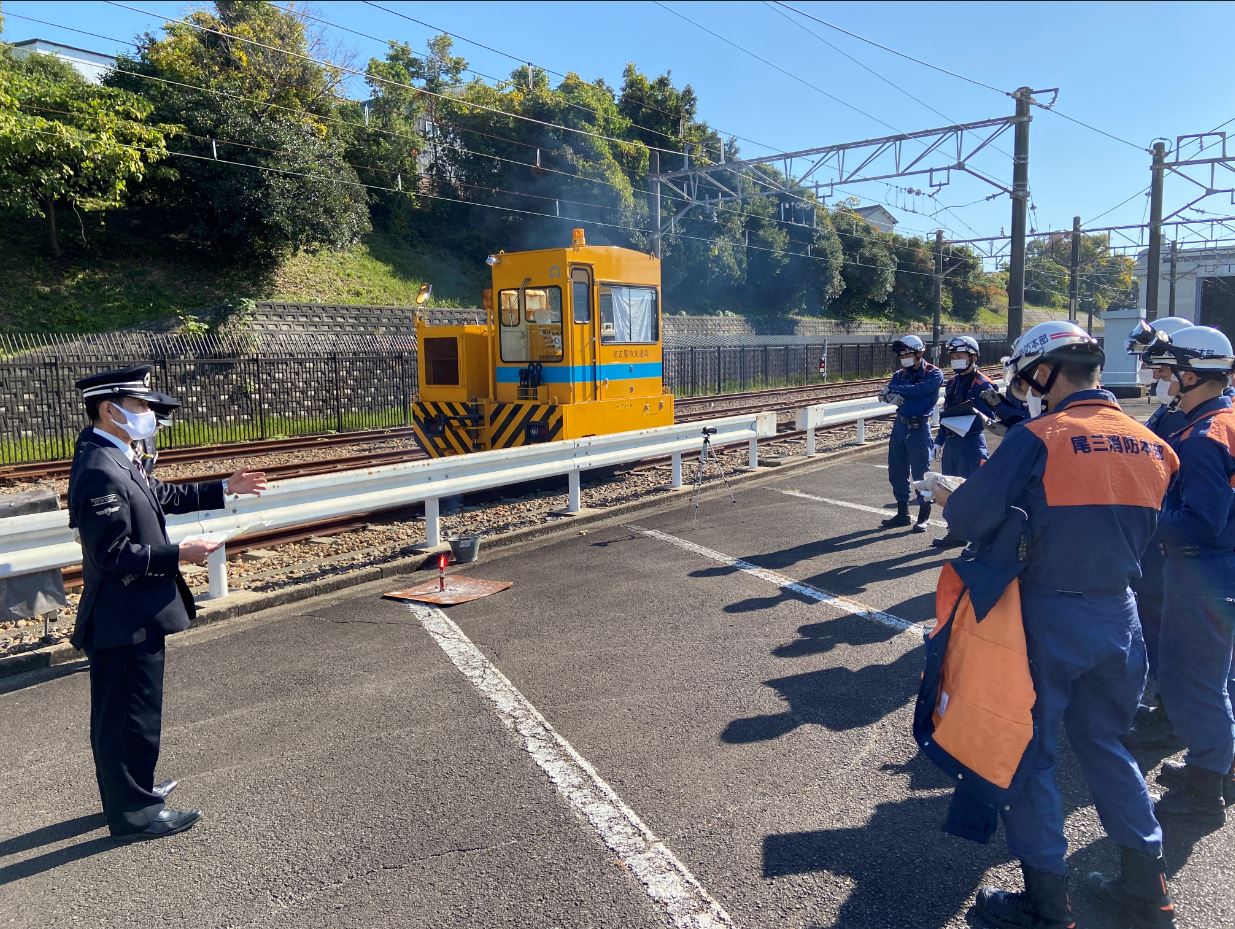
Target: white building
<point x="90" y="65"/>
<point x="877" y="216"/>
<point x="1204" y="285"/>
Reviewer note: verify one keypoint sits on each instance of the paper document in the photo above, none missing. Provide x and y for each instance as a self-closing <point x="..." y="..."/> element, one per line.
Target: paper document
<point x="958" y="424"/>
<point x="933" y="481"/>
<point x="226" y="535"/>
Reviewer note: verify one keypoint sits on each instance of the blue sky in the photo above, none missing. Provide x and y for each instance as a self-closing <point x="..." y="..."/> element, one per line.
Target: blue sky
<point x="1136" y="70"/>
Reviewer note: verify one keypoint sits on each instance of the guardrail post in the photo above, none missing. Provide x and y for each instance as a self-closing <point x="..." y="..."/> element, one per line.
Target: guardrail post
<point x="676" y="483"/>
<point x="860" y="438"/>
<point x="433" y="524"/>
<point x="810" y="431"/>
<point x="216" y="564"/>
<point x="573" y="503"/>
<point x="754" y="453"/>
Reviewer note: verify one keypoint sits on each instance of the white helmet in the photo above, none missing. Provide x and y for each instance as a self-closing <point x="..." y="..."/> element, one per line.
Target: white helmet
<point x="908" y="343"/>
<point x="963" y="343"/>
<point x="1051" y="342"/>
<point x="1146" y="339"/>
<point x="1202" y="350"/>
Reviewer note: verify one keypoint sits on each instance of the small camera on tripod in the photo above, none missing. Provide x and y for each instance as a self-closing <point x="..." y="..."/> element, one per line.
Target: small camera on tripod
<point x="709" y="430"/>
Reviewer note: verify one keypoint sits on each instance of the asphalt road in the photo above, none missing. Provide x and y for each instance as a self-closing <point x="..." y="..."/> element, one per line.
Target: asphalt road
<point x="362" y="764"/>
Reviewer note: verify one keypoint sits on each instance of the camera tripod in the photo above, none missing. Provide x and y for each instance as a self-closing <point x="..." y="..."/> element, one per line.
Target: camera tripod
<point x="708" y="456"/>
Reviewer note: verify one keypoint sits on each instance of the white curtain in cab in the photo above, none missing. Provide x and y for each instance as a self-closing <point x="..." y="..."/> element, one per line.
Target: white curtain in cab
<point x="634" y="314"/>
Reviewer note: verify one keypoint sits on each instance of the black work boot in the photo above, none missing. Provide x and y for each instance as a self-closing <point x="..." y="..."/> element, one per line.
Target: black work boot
<point x="1139" y="894"/>
<point x="1043" y="905"/>
<point x="900" y="519"/>
<point x="1152" y="729"/>
<point x="1197" y="799"/>
<point x="924" y="514"/>
<point x="1172" y="775"/>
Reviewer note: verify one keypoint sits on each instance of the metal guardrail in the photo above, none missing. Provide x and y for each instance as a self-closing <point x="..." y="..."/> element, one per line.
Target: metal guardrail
<point x="841" y="412"/>
<point x="44" y="541"/>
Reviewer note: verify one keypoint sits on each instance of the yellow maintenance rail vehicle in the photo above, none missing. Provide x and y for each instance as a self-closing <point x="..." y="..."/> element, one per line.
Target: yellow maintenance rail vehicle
<point x="571" y="348"/>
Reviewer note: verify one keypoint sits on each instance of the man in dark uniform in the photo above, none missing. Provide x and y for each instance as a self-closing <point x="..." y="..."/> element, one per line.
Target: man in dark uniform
<point x="1090" y="481"/>
<point x="133" y="596"/>
<point x="963" y="454"/>
<point x="1198" y="623"/>
<point x="914" y="388"/>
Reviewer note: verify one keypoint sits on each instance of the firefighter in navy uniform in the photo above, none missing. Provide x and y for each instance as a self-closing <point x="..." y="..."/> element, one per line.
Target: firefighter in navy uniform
<point x="963" y="454"/>
<point x="1152" y="727"/>
<point x="1198" y="623"/>
<point x="1091" y="481"/>
<point x="914" y="389"/>
<point x="133" y="594"/>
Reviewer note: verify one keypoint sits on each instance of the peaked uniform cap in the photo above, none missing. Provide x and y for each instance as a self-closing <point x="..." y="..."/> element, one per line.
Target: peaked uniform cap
<point x="122" y="382"/>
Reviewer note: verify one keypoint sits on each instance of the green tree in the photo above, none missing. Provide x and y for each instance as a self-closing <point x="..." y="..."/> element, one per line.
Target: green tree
<point x="267" y="170"/>
<point x="870" y="266"/>
<point x="65" y="142"/>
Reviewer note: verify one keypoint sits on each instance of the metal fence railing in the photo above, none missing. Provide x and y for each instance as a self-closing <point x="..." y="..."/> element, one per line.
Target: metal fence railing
<point x="236" y="396"/>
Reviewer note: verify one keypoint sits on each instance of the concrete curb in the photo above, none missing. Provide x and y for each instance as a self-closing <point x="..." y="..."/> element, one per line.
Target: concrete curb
<point x="244" y="602"/>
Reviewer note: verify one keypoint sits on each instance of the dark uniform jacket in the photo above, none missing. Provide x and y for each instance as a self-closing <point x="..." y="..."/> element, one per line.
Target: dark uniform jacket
<point x="130" y="568"/>
<point x="919" y="386"/>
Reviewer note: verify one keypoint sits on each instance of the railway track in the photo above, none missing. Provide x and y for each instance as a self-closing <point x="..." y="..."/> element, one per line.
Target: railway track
<point x="690" y="409"/>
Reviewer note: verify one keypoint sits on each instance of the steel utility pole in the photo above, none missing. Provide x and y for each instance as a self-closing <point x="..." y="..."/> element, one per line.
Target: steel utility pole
<point x="1074" y="278"/>
<point x="1170" y="306"/>
<point x="656" y="203"/>
<point x="1020" y="204"/>
<point x="938" y="294"/>
<point x="1153" y="260"/>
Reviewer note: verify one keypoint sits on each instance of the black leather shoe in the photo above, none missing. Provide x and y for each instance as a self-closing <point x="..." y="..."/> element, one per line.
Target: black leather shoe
<point x="168" y="822"/>
<point x="948" y="541"/>
<point x="163" y="788"/>
<point x="1172" y="775"/>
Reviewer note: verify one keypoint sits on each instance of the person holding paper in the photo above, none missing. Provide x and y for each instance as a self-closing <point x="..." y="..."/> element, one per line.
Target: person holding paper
<point x="963" y="421"/>
<point x="1089" y="481"/>
<point x="133" y="594"/>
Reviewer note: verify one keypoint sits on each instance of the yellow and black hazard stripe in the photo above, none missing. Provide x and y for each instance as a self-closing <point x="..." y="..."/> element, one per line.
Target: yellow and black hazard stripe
<point x="514" y="424"/>
<point x="444" y="429"/>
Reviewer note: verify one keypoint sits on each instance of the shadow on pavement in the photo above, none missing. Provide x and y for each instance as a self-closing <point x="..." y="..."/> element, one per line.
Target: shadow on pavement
<point x="895" y="860"/>
<point x="47" y="835"/>
<point x="837" y="698"/>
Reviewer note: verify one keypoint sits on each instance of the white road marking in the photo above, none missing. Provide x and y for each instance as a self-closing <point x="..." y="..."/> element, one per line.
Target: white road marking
<point x="937" y="523"/>
<point x="837" y="602"/>
<point x="665" y="879"/>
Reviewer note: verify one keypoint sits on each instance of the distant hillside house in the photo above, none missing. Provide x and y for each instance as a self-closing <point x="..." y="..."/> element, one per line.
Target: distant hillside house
<point x="90" y="65"/>
<point x="877" y="216"/>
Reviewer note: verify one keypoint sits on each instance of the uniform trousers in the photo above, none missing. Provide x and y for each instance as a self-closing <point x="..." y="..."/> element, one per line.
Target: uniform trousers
<point x="1195" y="674"/>
<point x="963" y="454"/>
<point x="909" y="452"/>
<point x="126" y="720"/>
<point x="1087" y="662"/>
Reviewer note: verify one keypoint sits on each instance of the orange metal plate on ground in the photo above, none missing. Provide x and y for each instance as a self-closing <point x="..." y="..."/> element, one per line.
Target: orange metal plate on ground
<point x="459" y="589"/>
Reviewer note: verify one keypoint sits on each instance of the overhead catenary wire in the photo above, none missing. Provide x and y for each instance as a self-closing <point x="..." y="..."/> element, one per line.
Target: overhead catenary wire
<point x="464" y="150"/>
<point x="471" y="203"/>
<point x="516" y="58"/>
<point x="446" y="97"/>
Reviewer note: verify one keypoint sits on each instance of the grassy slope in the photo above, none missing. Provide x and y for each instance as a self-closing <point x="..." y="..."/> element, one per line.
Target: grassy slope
<point x="132" y="281"/>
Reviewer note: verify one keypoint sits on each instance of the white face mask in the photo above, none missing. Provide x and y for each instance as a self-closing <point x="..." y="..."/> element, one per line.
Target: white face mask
<point x="908" y="362"/>
<point x="960" y="365"/>
<point x="1162" y="391"/>
<point x="1034" y="402"/>
<point x="139" y="426"/>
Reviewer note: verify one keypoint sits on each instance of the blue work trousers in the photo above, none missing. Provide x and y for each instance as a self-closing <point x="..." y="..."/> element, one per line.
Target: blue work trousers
<point x="1194" y="658"/>
<point x="909" y="452"/>
<point x="964" y="454"/>
<point x="1087" y="661"/>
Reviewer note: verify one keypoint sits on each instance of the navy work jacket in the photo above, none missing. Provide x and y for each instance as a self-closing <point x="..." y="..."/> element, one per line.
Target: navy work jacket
<point x="919" y="386"/>
<point x="130" y="569"/>
<point x="1200" y="508"/>
<point x="1091" y="481"/>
